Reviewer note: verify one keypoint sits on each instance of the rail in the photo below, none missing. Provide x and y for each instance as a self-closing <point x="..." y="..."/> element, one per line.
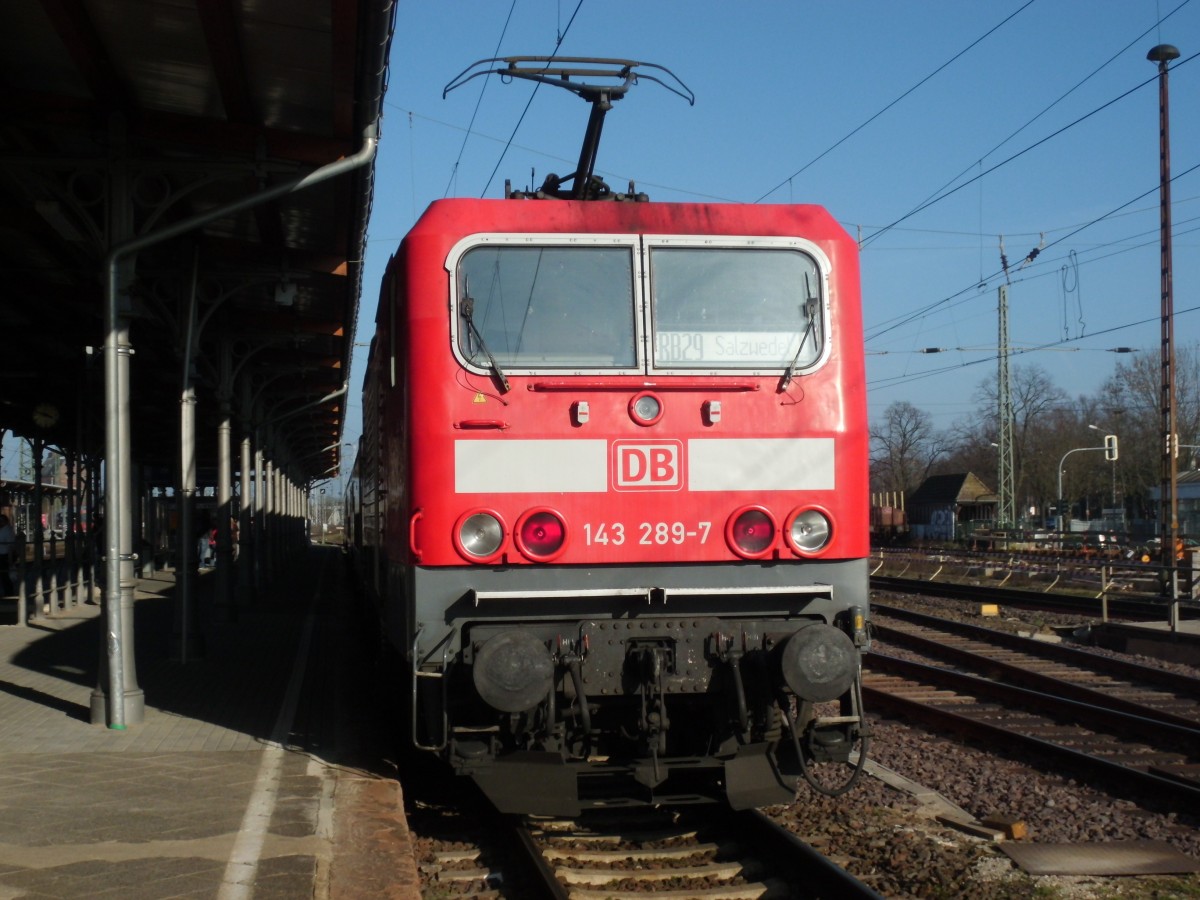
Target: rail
<point x="1144" y="607"/>
<point x="894" y="686"/>
<point x="1039" y="665"/>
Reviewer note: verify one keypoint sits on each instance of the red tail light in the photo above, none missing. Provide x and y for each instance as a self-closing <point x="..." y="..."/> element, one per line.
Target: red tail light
<point x="751" y="532"/>
<point x="541" y="534"/>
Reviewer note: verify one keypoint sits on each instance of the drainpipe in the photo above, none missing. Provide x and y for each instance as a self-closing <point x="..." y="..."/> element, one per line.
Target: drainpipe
<point x="118" y="498"/>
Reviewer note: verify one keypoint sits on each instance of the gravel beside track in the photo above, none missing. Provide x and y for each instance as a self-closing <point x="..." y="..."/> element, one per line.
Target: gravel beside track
<point x="883" y="838"/>
<point x="880" y="835"/>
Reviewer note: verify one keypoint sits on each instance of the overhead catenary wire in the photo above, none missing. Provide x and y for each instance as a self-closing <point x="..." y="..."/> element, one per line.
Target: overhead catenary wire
<point x="906" y="378"/>
<point x="615" y="176"/>
<point x="905" y="319"/>
<point x="719" y="198"/>
<point x="875" y="116"/>
<point x="962" y="296"/>
<point x="1153" y="79"/>
<point x="961" y="299"/>
<point x="965" y="295"/>
<point x="1043" y="111"/>
<point x="557" y="45"/>
<point x="958" y="232"/>
<point x="1049" y="346"/>
<point x="478" y="103"/>
<point x="974" y="286"/>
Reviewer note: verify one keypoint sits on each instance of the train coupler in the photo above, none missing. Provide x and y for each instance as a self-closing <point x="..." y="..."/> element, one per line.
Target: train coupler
<point x="651" y="661"/>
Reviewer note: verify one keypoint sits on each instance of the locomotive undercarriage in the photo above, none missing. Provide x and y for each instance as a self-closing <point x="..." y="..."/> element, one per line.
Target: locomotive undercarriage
<point x="554" y="717"/>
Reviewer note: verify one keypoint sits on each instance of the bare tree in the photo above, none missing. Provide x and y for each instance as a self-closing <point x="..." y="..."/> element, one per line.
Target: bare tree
<point x="1132" y="400"/>
<point x="904" y="447"/>
<point x="1041" y="415"/>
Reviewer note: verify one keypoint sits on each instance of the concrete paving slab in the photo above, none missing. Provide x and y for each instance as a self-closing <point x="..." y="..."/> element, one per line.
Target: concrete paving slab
<point x="170" y="806"/>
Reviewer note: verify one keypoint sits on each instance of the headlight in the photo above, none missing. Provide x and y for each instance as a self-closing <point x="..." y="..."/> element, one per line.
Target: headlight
<point x="809" y="530"/>
<point x="479" y="535"/>
<point x="645" y="408"/>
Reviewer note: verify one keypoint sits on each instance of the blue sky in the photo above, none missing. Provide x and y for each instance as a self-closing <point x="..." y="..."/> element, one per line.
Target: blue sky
<point x="1027" y="113"/>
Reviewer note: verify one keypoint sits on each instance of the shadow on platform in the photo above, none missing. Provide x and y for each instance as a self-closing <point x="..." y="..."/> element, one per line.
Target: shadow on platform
<point x="237" y="673"/>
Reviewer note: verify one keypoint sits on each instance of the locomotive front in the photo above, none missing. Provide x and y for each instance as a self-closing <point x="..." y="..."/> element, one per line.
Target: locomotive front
<point x="622" y="478"/>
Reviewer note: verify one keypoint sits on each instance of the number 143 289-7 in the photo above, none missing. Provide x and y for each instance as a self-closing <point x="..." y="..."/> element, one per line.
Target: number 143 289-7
<point x="615" y="533"/>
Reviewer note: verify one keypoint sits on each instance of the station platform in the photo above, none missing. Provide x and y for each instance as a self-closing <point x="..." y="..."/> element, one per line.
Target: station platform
<point x="1175" y="643"/>
<point x="252" y="775"/>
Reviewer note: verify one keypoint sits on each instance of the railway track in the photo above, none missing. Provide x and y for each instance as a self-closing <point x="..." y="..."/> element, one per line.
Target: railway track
<point x="1139" y="733"/>
<point x="466" y="848"/>
<point x="1140" y="608"/>
<point x="702" y="852"/>
<point x="1106" y="681"/>
<point x="627" y="854"/>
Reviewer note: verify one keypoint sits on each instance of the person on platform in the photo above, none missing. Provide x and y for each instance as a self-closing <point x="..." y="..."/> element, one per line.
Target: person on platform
<point x="203" y="553"/>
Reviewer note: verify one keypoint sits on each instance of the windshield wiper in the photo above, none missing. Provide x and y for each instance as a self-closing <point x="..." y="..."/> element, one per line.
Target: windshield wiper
<point x="467" y="311"/>
<point x="811" y="306"/>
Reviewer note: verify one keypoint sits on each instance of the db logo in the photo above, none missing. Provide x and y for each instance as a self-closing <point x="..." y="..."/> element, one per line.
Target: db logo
<point x="647" y="465"/>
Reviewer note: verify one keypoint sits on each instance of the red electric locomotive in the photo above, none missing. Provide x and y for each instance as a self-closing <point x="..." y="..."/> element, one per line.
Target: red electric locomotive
<point x="611" y="496"/>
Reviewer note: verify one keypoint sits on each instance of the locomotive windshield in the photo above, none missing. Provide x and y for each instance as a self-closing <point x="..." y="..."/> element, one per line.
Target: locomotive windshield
<point x="549" y="307"/>
<point x="735" y="308"/>
<point x="597" y="303"/>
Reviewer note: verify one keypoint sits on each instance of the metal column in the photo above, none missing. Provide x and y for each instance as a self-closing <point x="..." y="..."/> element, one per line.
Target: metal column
<point x="223" y="599"/>
<point x="1168" y="505"/>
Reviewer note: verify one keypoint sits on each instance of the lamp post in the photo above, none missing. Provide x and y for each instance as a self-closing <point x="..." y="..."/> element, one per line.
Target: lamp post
<point x="1168" y="507"/>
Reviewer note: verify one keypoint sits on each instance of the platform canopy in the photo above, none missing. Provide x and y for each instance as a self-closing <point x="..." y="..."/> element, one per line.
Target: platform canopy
<point x="124" y="118"/>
